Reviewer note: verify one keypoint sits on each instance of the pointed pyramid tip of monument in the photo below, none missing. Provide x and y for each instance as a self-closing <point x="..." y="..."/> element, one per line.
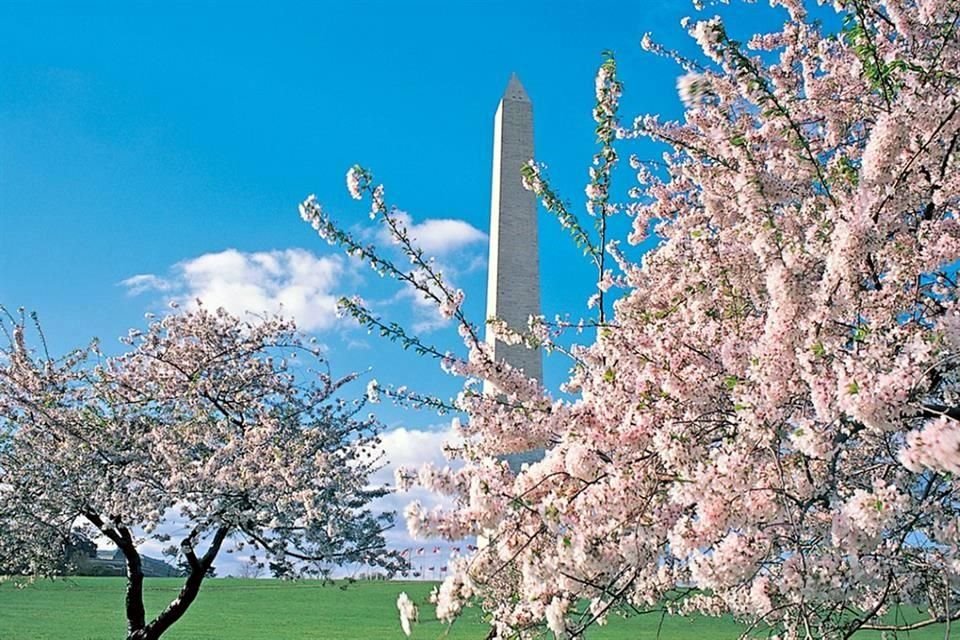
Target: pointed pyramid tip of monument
<point x="515" y="90"/>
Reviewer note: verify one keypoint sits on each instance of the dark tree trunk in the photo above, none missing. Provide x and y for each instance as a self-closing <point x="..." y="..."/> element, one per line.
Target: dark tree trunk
<point x="133" y="600"/>
<point x="136" y="616"/>
<point x="188" y="593"/>
<point x="175" y="610"/>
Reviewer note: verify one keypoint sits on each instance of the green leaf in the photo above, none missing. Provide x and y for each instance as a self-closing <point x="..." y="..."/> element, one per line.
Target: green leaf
<point x="849" y="171"/>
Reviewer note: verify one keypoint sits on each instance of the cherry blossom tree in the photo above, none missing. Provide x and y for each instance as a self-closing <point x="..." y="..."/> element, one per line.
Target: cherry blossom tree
<point x="768" y="423"/>
<point x="211" y="433"/>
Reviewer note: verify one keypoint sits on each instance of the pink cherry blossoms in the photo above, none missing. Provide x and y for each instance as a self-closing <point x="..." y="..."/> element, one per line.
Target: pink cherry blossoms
<point x="767" y="425"/>
<point x="202" y="435"/>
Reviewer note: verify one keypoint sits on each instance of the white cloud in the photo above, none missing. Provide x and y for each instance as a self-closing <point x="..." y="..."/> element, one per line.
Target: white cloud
<point x="438" y="236"/>
<point x="455" y="249"/>
<point x="412" y="448"/>
<point x="445" y="235"/>
<point x="145" y="282"/>
<point x="426" y="316"/>
<point x="294" y="282"/>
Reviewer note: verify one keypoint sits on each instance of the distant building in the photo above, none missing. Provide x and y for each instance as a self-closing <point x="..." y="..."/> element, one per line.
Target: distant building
<point x="87" y="560"/>
<point x="513" y="272"/>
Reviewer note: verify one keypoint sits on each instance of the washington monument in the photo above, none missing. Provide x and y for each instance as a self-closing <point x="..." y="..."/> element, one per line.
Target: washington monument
<point x="513" y="276"/>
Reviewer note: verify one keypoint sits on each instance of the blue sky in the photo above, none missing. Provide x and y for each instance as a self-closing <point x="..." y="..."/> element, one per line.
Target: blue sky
<point x="135" y="136"/>
<point x="149" y="138"/>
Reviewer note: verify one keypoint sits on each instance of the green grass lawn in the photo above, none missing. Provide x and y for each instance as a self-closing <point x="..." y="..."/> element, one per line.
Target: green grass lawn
<point x="234" y="609"/>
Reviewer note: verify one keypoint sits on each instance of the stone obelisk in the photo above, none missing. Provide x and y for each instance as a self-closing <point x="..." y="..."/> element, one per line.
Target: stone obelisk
<point x="513" y="276"/>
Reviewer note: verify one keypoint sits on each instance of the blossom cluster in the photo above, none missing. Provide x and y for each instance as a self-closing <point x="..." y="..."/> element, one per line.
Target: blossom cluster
<point x="768" y="424"/>
<point x="234" y="429"/>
